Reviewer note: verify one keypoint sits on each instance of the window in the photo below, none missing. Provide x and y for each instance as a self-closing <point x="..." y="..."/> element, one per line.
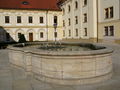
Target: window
<point x="41" y="35"/>
<point x="106" y="31"/>
<point x="7" y="19"/>
<point x="19" y="34"/>
<point x="18" y="19"/>
<point x="41" y="20"/>
<point x="85" y="2"/>
<point x="109" y="30"/>
<point x="106" y="13"/>
<point x="76" y="19"/>
<point x="63" y="23"/>
<point x="7" y="37"/>
<point x="30" y="19"/>
<point x="76" y="5"/>
<point x="85" y="17"/>
<point x="63" y="11"/>
<point x="111" y="12"/>
<point x="69" y="8"/>
<point x="69" y="22"/>
<point x="55" y="19"/>
<point x="63" y="33"/>
<point x="76" y="31"/>
<point x="25" y="3"/>
<point x="69" y="33"/>
<point x="55" y="34"/>
<point x="85" y="30"/>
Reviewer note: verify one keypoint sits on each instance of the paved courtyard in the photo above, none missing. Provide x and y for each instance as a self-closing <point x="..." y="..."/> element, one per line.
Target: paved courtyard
<point x="12" y="78"/>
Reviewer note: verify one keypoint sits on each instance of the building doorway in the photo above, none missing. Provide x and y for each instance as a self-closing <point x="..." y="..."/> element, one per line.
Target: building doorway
<point x="30" y="36"/>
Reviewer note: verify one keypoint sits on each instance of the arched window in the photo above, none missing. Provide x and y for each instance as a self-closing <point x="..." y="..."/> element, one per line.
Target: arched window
<point x="76" y="5"/>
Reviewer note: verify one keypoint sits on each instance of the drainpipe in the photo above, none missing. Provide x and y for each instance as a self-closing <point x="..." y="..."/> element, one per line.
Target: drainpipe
<point x="119" y="9"/>
<point x="97" y="20"/>
<point x="47" y="24"/>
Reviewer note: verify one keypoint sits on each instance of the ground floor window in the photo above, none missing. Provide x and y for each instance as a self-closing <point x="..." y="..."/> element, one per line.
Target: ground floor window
<point x="41" y="35"/>
<point x="69" y="33"/>
<point x="109" y="30"/>
<point x="76" y="31"/>
<point x="85" y="31"/>
<point x="63" y="33"/>
<point x="55" y="34"/>
<point x="19" y="35"/>
<point x="7" y="37"/>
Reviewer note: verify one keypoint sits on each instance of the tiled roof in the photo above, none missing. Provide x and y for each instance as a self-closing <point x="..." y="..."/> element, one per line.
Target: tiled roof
<point x="29" y="4"/>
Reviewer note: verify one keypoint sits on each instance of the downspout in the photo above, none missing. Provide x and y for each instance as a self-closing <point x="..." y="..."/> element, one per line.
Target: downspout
<point x="119" y="9"/>
<point x="47" y="24"/>
<point x="97" y="21"/>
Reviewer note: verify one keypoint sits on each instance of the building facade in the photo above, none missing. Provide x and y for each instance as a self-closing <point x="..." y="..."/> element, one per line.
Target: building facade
<point x="91" y="20"/>
<point x="37" y="23"/>
<point x="79" y="20"/>
<point x="109" y="21"/>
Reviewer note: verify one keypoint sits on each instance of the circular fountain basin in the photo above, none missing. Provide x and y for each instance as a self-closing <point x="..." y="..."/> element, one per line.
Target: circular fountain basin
<point x="65" y="67"/>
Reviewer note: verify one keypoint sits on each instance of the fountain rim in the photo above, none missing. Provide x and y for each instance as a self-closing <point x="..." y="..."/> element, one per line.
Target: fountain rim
<point x="37" y="51"/>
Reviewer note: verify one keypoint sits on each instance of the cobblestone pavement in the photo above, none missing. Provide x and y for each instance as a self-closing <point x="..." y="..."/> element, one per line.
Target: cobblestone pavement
<point x="12" y="78"/>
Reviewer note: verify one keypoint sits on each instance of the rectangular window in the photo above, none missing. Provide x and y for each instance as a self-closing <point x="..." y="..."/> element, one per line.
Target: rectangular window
<point x="111" y="30"/>
<point x="7" y="37"/>
<point x="76" y="32"/>
<point x="55" y="34"/>
<point x="30" y="19"/>
<point x="41" y="20"/>
<point x="85" y="2"/>
<point x="106" y="13"/>
<point x="85" y="17"/>
<point x="41" y="35"/>
<point x="69" y="22"/>
<point x="106" y="31"/>
<point x="69" y="8"/>
<point x="63" y="33"/>
<point x="63" y="23"/>
<point x="55" y="19"/>
<point x="69" y="33"/>
<point x="19" y="34"/>
<point x="85" y="31"/>
<point x="111" y="12"/>
<point x="18" y="19"/>
<point x="76" y="19"/>
<point x="7" y="19"/>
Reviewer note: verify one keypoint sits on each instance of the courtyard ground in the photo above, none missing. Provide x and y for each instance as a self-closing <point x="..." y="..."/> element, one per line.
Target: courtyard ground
<point x="12" y="78"/>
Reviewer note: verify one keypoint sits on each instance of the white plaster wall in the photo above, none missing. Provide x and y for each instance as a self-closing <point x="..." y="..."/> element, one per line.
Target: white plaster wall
<point x="106" y="4"/>
<point x="13" y="27"/>
<point x="91" y="25"/>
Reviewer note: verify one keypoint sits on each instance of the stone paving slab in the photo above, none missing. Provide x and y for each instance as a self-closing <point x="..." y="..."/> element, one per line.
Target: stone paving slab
<point x="12" y="78"/>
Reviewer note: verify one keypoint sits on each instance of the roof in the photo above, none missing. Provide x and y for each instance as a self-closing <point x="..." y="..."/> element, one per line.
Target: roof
<point x="29" y="4"/>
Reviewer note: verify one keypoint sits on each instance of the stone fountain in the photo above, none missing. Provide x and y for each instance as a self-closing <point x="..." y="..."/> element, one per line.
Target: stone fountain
<point x="66" y="63"/>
